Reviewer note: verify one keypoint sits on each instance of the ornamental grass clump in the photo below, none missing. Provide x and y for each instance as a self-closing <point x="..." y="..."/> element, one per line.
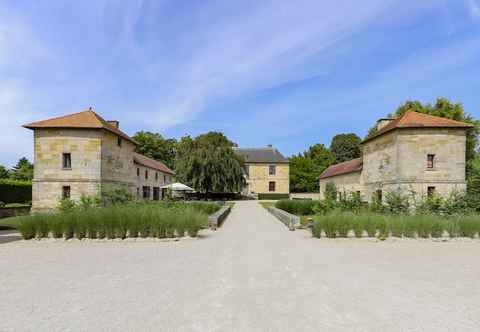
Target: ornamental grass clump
<point x="468" y="226"/>
<point x="130" y="220"/>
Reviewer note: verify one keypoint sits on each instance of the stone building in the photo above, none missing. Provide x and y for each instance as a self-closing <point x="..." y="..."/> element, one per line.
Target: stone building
<point x="82" y="154"/>
<point x="414" y="155"/>
<point x="267" y="171"/>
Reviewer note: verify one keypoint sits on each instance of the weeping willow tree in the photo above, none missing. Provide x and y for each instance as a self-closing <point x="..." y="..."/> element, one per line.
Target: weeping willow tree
<point x="208" y="164"/>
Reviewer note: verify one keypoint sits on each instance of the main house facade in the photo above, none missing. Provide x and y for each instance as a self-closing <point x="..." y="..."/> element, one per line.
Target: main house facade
<point x="82" y="154"/>
<point x="415" y="155"/>
<point x="267" y="171"/>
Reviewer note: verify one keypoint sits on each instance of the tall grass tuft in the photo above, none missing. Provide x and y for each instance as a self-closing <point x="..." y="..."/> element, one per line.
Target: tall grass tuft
<point x="119" y="221"/>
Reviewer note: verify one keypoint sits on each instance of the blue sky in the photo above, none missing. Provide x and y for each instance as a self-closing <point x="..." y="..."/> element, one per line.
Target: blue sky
<point x="288" y="73"/>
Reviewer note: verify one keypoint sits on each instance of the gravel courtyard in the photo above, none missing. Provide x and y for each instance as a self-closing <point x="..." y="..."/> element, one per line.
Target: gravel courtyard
<point x="251" y="275"/>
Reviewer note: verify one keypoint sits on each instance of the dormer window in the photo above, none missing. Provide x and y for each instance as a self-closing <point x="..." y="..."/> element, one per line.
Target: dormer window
<point x="67" y="161"/>
<point x="430" y="161"/>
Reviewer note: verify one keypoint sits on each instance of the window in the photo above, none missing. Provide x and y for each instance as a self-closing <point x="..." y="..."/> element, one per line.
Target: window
<point x="156" y="193"/>
<point x="146" y="192"/>
<point x="138" y="171"/>
<point x="146" y="174"/>
<point x="66" y="192"/>
<point x="379" y="195"/>
<point x="164" y="179"/>
<point x="271" y="170"/>
<point x="430" y="191"/>
<point x="156" y="176"/>
<point x="138" y="192"/>
<point x="67" y="161"/>
<point x="430" y="161"/>
<point x="119" y="142"/>
<point x="271" y="186"/>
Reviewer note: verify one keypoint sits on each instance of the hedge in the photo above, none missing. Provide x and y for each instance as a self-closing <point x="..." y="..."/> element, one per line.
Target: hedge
<point x="273" y="196"/>
<point x="12" y="191"/>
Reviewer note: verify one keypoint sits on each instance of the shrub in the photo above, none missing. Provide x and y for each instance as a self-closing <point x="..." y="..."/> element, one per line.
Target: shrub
<point x="369" y="224"/>
<point x="317" y="230"/>
<point x="15" y="191"/>
<point x="298" y="207"/>
<point x="396" y="203"/>
<point x="382" y="226"/>
<point x="396" y="226"/>
<point x="66" y="205"/>
<point x="271" y="196"/>
<point x="357" y="227"/>
<point x="328" y="224"/>
<point x="205" y="207"/>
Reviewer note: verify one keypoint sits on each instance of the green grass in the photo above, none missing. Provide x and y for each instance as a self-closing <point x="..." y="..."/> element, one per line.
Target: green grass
<point x="16" y="205"/>
<point x="267" y="204"/>
<point x="13" y="222"/>
<point x="132" y="220"/>
<point x="298" y="207"/>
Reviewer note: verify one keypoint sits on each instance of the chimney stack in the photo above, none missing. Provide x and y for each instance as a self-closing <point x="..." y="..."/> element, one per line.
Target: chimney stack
<point x="114" y="123"/>
<point x="383" y="122"/>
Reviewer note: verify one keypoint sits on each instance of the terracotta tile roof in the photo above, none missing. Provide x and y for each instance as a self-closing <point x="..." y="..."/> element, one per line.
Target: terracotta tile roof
<point x="151" y="163"/>
<point x="85" y="119"/>
<point x="261" y="155"/>
<point x="350" y="166"/>
<point x="419" y="120"/>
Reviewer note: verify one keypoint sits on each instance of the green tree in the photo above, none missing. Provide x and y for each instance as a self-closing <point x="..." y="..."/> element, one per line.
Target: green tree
<point x="154" y="146"/>
<point x="303" y="174"/>
<point x="306" y="168"/>
<point x="345" y="147"/>
<point x="209" y="164"/>
<point x="23" y="170"/>
<point x="4" y="173"/>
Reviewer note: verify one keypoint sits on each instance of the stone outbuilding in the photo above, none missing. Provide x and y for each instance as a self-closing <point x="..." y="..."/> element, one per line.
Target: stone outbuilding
<point x="415" y="155"/>
<point x="267" y="171"/>
<point x="82" y="154"/>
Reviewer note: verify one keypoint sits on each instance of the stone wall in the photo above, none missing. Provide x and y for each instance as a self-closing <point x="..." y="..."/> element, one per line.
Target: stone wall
<point x="345" y="183"/>
<point x="83" y="177"/>
<point x="118" y="168"/>
<point x="259" y="178"/>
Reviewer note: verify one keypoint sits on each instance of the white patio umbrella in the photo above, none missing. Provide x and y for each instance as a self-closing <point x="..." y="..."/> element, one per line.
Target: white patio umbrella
<point x="177" y="186"/>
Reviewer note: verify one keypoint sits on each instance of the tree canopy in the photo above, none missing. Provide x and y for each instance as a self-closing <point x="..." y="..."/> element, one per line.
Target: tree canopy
<point x="23" y="170"/>
<point x="306" y="168"/>
<point x="209" y="164"/>
<point x="345" y="147"/>
<point x="4" y="173"/>
<point x="154" y="146"/>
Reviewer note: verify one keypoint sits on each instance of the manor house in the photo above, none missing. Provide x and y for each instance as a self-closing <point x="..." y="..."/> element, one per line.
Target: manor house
<point x="82" y="154"/>
<point x="415" y="155"/>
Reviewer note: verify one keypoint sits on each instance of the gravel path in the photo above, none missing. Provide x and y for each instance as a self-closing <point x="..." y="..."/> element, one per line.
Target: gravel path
<point x="251" y="275"/>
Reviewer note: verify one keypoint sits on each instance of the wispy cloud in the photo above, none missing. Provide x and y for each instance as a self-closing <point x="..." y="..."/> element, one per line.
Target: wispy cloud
<point x="474" y="8"/>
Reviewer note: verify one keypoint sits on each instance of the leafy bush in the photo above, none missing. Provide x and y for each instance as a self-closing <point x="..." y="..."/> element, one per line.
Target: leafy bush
<point x="298" y="207"/>
<point x="131" y="220"/>
<point x="396" y="203"/>
<point x="205" y="207"/>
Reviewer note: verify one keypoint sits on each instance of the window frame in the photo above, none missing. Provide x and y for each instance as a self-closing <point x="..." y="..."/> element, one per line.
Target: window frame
<point x="270" y="168"/>
<point x="66" y="192"/>
<point x="431" y="161"/>
<point x="270" y="183"/>
<point x="67" y="161"/>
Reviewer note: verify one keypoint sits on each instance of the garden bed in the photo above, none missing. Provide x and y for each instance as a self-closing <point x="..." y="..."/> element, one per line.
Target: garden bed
<point x="134" y="220"/>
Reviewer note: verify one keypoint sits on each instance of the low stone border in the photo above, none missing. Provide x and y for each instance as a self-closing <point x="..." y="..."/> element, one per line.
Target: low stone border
<point x="6" y="212"/>
<point x="217" y="218"/>
<point x="290" y="220"/>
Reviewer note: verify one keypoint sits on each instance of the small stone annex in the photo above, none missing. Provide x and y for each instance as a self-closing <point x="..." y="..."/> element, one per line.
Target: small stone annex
<point x="82" y="154"/>
<point x="414" y="155"/>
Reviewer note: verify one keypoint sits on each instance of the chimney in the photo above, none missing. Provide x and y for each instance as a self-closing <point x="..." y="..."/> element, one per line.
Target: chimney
<point x="270" y="146"/>
<point x="383" y="122"/>
<point x="114" y="123"/>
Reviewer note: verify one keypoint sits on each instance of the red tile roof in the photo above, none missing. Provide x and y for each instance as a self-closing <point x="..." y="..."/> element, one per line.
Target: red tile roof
<point x="419" y="120"/>
<point x="85" y="119"/>
<point x="350" y="166"/>
<point x="151" y="163"/>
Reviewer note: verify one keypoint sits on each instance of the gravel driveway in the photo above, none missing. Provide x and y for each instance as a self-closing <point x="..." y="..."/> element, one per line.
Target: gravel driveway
<point x="251" y="275"/>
